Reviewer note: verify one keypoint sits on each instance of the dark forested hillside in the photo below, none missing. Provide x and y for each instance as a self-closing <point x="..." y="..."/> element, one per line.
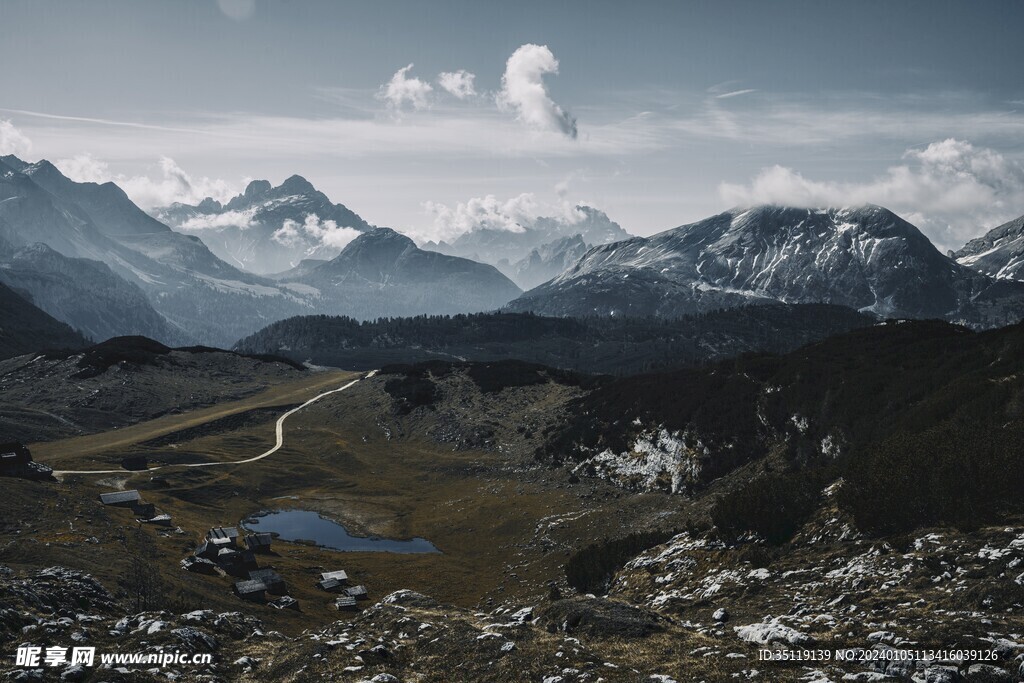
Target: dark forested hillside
<point x="599" y="345"/>
<point x="24" y="328"/>
<point x="921" y="419"/>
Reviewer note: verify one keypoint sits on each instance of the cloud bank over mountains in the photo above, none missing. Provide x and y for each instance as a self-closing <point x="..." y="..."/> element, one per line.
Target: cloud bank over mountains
<point x="515" y="214"/>
<point x="172" y="184"/>
<point x="13" y="141"/>
<point x="948" y="189"/>
<point x="315" y="234"/>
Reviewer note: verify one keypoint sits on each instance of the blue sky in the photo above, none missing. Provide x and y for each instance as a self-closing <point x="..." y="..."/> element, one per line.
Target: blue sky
<point x="659" y="113"/>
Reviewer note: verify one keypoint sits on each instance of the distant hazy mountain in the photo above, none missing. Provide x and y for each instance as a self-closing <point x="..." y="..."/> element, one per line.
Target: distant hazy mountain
<point x="200" y="295"/>
<point x="547" y="261"/>
<point x="268" y="229"/>
<point x="85" y="294"/>
<point x="998" y="253"/>
<point x="24" y="328"/>
<point x="865" y="258"/>
<point x="503" y="248"/>
<point x="383" y="273"/>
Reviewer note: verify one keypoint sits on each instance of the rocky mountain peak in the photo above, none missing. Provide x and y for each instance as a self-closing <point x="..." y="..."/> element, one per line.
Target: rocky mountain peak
<point x="210" y="205"/>
<point x="296" y="184"/>
<point x="257" y="188"/>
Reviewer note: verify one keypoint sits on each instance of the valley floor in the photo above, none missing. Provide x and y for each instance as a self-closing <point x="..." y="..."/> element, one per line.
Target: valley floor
<point x="493" y="605"/>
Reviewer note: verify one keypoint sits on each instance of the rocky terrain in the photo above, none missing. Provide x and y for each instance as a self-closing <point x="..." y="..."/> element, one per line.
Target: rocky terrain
<point x="693" y="609"/>
<point x="739" y="508"/>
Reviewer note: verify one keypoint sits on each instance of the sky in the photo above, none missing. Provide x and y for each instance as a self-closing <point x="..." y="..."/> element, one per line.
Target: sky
<point x="417" y="114"/>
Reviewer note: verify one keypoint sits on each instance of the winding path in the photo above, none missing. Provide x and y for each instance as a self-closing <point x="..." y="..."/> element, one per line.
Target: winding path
<point x="277" y="446"/>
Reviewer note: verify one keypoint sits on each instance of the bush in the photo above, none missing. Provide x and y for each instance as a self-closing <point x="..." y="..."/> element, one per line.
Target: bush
<point x="956" y="473"/>
<point x="591" y="570"/>
<point x="773" y="506"/>
<point x="411" y="391"/>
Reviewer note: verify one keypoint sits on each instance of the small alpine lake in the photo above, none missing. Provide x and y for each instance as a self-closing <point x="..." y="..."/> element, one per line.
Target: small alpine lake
<point x="311" y="527"/>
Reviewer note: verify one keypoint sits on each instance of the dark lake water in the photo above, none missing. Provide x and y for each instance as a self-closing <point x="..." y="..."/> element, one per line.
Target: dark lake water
<point x="306" y="525"/>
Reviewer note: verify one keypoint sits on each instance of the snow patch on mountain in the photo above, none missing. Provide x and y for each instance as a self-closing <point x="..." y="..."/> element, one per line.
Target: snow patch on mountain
<point x="659" y="460"/>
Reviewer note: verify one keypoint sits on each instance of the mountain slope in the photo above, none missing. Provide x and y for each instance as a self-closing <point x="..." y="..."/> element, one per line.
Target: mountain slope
<point x="999" y="253"/>
<point x="383" y="273"/>
<point x="24" y="328"/>
<point x="199" y="294"/>
<point x="269" y="229"/>
<point x="865" y="258"/>
<point x="85" y="294"/>
<point x="547" y="261"/>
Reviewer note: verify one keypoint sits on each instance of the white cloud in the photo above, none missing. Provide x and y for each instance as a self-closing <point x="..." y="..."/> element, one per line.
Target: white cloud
<point x="401" y="90"/>
<point x="524" y="92"/>
<point x="228" y="219"/>
<point x="490" y="213"/>
<point x="949" y="189"/>
<point x="173" y="184"/>
<point x="315" y="234"/>
<point x="458" y="83"/>
<point x="12" y="140"/>
<point x="84" y="168"/>
<point x="735" y="93"/>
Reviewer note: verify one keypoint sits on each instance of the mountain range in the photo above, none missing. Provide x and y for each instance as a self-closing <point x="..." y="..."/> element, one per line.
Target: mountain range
<point x="269" y="229"/>
<point x="110" y="269"/>
<point x="866" y="258"/>
<point x="88" y="256"/>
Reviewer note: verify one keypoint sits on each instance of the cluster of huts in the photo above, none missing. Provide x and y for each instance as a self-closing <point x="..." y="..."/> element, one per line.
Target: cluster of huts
<point x="337" y="582"/>
<point x="225" y="552"/>
<point x="144" y="512"/>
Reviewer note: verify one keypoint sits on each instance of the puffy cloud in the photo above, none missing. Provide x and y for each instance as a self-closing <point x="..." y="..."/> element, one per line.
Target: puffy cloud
<point x="315" y="234"/>
<point x="524" y="92"/>
<point x="458" y="83"/>
<point x="12" y="140"/>
<point x="490" y="213"/>
<point x="84" y="168"/>
<point x="402" y="89"/>
<point x="228" y="219"/>
<point x="174" y="185"/>
<point x="951" y="189"/>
